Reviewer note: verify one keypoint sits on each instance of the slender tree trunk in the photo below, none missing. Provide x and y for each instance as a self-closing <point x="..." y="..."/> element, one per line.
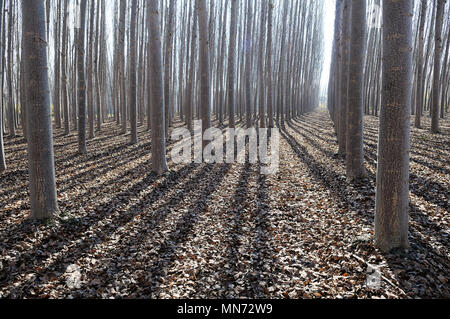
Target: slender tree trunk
<point x="123" y="100"/>
<point x="82" y="149"/>
<point x="205" y="88"/>
<point x="392" y="197"/>
<point x="232" y="63"/>
<point x="168" y="65"/>
<point x="345" y="43"/>
<point x="96" y="73"/>
<point x="269" y="65"/>
<point x="420" y="67"/>
<point x="335" y="70"/>
<point x="262" y="88"/>
<point x="354" y="147"/>
<point x="64" y="70"/>
<point x="444" y="82"/>
<point x="57" y="69"/>
<point x="90" y="71"/>
<point x="159" y="163"/>
<point x="248" y="66"/>
<point x="74" y="79"/>
<point x="11" y="106"/>
<point x="440" y="7"/>
<point x="42" y="179"/>
<point x="133" y="104"/>
<point x="2" y="148"/>
<point x="190" y="84"/>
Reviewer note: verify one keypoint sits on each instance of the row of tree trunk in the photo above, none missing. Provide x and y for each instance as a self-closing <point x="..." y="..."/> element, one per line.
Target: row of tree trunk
<point x="355" y="88"/>
<point x="160" y="62"/>
<point x="424" y="24"/>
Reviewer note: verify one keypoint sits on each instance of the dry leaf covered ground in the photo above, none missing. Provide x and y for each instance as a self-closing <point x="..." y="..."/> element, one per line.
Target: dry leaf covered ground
<point x="222" y="231"/>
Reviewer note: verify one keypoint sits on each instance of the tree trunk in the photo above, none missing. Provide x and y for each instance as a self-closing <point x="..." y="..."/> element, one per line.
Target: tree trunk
<point x="82" y="149"/>
<point x="248" y="65"/>
<point x="335" y="70"/>
<point x="269" y="65"/>
<point x="40" y="143"/>
<point x="444" y="81"/>
<point x="190" y="84"/>
<point x="57" y="60"/>
<point x="168" y="66"/>
<point x="440" y="7"/>
<point x="2" y="148"/>
<point x="392" y="200"/>
<point x="64" y="70"/>
<point x="345" y="43"/>
<point x="232" y="63"/>
<point x="11" y="106"/>
<point x="133" y="104"/>
<point x="205" y="88"/>
<point x="159" y="163"/>
<point x="420" y="66"/>
<point x="90" y="71"/>
<point x="354" y="147"/>
<point x="123" y="100"/>
<point x="262" y="89"/>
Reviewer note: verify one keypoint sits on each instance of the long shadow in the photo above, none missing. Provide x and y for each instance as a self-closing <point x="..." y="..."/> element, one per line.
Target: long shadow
<point x="419" y="186"/>
<point x="233" y="242"/>
<point x="339" y="192"/>
<point x="318" y="172"/>
<point x="426" y="222"/>
<point x="372" y="141"/>
<point x="103" y="234"/>
<point x="311" y="141"/>
<point x="98" y="163"/>
<point x="75" y="227"/>
<point x="92" y="173"/>
<point x="441" y="168"/>
<point x="169" y="249"/>
<point x="317" y="134"/>
<point x="85" y="176"/>
<point x="62" y="163"/>
<point x="98" y="169"/>
<point x="305" y="122"/>
<point x="263" y="249"/>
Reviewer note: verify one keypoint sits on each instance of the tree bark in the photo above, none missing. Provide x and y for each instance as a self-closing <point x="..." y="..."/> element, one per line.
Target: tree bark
<point x="392" y="196"/>
<point x="335" y="82"/>
<point x="420" y="67"/>
<point x="232" y="63"/>
<point x="11" y="104"/>
<point x="248" y="65"/>
<point x="40" y="143"/>
<point x="123" y="100"/>
<point x="57" y="69"/>
<point x="64" y="70"/>
<point x="354" y="147"/>
<point x="133" y="104"/>
<point x="159" y="163"/>
<point x="205" y="88"/>
<point x="90" y="71"/>
<point x="168" y="66"/>
<point x="82" y="149"/>
<point x="262" y="89"/>
<point x="191" y="77"/>
<point x="2" y="148"/>
<point x="440" y="7"/>
<point x="269" y="65"/>
<point x="345" y="43"/>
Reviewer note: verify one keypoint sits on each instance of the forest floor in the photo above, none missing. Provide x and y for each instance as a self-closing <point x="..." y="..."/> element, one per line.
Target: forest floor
<point x="222" y="231"/>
